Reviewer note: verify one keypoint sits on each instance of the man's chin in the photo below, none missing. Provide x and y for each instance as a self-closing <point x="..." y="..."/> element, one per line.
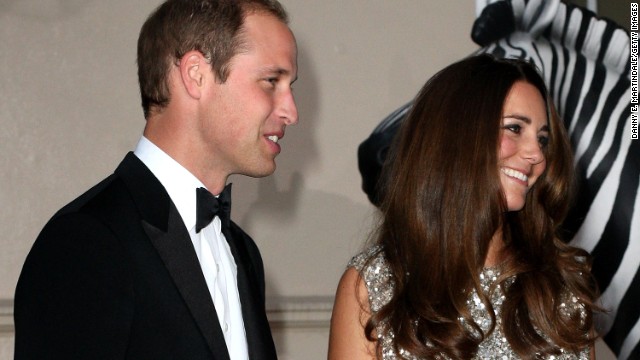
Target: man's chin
<point x="263" y="172"/>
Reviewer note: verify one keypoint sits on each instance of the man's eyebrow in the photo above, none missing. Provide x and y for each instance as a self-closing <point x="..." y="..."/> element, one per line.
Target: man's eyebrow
<point x="278" y="71"/>
<point x="275" y="70"/>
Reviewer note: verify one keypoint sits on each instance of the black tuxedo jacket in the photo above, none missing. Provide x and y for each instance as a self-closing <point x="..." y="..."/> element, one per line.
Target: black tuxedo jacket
<point x="113" y="275"/>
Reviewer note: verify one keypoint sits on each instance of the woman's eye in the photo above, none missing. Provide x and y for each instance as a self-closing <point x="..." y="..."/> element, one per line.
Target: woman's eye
<point x="543" y="140"/>
<point x="515" y="128"/>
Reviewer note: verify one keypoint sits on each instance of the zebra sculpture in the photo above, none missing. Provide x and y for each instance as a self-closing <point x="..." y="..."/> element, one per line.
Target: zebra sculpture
<point x="586" y="65"/>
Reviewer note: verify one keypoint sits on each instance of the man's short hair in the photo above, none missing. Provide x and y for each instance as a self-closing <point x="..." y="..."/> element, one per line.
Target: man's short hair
<point x="212" y="27"/>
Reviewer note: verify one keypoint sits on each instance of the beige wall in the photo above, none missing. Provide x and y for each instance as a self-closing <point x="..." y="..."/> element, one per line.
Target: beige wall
<point x="70" y="111"/>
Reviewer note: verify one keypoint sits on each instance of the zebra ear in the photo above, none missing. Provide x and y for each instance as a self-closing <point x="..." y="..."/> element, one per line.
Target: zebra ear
<point x="372" y="153"/>
<point x="495" y="22"/>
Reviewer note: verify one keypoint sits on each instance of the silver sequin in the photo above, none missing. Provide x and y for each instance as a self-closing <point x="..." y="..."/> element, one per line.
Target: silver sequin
<point x="380" y="285"/>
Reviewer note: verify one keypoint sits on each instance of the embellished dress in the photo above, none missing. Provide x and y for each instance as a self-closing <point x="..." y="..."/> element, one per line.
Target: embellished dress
<point x="378" y="281"/>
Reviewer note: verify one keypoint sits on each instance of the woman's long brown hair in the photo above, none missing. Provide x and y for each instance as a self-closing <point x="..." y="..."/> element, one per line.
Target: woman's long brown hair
<point x="444" y="203"/>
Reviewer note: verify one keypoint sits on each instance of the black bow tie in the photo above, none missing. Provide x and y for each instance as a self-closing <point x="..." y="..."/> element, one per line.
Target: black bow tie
<point x="208" y="206"/>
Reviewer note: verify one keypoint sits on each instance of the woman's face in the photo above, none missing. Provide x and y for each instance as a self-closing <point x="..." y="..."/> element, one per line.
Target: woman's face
<point x="524" y="134"/>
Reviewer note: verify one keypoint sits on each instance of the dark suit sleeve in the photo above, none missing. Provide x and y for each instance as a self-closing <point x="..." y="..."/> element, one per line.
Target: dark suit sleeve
<point x="74" y="298"/>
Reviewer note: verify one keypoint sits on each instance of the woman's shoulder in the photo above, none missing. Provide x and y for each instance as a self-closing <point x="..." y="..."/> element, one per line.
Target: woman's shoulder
<point x="365" y="258"/>
<point x="376" y="274"/>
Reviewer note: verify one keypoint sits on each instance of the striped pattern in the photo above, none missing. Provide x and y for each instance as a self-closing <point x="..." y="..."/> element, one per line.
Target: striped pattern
<point x="586" y="64"/>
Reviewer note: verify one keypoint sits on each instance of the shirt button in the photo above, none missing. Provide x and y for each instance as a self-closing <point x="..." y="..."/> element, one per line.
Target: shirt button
<point x="226" y="327"/>
<point x="217" y="267"/>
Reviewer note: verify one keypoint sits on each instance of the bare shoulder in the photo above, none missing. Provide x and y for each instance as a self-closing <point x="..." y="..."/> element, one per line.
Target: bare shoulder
<point x="351" y="311"/>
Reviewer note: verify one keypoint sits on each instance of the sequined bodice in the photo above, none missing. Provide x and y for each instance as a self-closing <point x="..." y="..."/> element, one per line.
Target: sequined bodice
<point x="379" y="284"/>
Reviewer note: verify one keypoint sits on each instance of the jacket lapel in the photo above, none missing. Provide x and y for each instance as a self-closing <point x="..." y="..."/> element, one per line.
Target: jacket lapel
<point x="256" y="325"/>
<point x="164" y="227"/>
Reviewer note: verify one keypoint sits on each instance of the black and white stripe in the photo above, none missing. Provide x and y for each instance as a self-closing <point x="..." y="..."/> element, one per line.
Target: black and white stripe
<point x="586" y="64"/>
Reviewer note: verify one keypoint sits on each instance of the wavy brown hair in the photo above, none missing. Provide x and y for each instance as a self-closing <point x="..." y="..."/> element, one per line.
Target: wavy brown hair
<point x="443" y="205"/>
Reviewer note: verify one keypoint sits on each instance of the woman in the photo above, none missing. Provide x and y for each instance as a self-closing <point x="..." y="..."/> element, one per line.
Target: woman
<point x="468" y="261"/>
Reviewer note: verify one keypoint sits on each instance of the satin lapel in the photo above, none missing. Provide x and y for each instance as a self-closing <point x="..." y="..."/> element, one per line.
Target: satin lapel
<point x="256" y="325"/>
<point x="177" y="253"/>
<point x="164" y="227"/>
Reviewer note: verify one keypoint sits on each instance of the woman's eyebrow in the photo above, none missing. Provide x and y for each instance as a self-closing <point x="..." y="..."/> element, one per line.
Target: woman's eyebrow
<point x="524" y="118"/>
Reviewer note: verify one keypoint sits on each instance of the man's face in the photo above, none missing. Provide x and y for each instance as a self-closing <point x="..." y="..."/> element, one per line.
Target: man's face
<point x="243" y="118"/>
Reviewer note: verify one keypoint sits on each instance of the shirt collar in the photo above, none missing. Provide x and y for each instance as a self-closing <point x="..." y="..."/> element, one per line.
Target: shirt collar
<point x="179" y="183"/>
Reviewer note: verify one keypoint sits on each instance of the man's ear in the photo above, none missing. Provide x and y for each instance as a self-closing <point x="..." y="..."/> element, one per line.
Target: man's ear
<point x="193" y="72"/>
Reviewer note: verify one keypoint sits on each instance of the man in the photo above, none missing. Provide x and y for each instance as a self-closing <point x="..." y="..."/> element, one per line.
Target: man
<point x="130" y="269"/>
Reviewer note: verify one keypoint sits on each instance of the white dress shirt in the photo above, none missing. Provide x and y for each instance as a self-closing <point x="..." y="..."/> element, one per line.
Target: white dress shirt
<point x="210" y="245"/>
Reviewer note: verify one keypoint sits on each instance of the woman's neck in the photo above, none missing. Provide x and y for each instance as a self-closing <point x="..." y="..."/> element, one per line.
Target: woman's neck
<point x="496" y="253"/>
